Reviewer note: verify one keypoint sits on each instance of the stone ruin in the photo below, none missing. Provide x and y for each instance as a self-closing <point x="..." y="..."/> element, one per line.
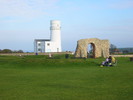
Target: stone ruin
<point x="100" y="48"/>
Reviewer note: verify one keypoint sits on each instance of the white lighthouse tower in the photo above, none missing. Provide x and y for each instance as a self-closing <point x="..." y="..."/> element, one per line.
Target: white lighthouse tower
<point x="55" y="35"/>
<point x="54" y="43"/>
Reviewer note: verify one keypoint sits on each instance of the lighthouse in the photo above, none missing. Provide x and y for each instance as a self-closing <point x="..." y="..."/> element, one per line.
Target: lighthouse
<point x="55" y="35"/>
<point x="54" y="43"/>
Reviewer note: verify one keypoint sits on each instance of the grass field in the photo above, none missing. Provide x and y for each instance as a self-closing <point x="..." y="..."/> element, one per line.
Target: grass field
<point x="40" y="78"/>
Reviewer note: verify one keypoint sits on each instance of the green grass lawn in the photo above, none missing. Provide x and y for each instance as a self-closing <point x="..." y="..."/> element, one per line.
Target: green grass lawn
<point x="39" y="78"/>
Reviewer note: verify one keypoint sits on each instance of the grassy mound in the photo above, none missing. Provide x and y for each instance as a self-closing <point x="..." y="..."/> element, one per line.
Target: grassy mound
<point x="41" y="78"/>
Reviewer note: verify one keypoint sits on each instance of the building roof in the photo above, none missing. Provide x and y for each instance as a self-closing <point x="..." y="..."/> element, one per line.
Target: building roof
<point x="42" y="39"/>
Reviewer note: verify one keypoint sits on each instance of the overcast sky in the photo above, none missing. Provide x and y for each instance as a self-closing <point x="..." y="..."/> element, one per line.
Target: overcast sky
<point x="22" y="21"/>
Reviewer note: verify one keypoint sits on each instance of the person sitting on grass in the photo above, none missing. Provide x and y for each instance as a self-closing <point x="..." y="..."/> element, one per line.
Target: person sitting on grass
<point x="110" y="61"/>
<point x="106" y="62"/>
<point x="114" y="62"/>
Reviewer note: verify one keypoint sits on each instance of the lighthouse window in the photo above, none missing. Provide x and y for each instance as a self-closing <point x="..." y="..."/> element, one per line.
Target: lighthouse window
<point x="39" y="49"/>
<point x="48" y="44"/>
<point x="39" y="44"/>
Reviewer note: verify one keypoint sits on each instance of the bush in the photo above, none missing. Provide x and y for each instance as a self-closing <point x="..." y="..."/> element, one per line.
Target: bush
<point x="6" y="51"/>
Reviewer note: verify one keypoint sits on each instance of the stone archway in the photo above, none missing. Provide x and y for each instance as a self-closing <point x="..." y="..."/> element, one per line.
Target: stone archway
<point x="91" y="51"/>
<point x="101" y="48"/>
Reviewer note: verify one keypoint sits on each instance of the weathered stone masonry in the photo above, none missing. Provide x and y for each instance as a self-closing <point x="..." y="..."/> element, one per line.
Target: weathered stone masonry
<point x="101" y="47"/>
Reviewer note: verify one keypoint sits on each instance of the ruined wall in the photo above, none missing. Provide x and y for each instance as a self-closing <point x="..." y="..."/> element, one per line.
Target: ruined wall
<point x="101" y="47"/>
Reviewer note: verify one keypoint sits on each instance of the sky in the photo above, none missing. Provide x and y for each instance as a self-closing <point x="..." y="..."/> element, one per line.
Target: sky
<point x="22" y="21"/>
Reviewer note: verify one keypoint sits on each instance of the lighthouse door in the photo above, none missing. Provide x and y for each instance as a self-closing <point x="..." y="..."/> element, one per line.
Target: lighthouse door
<point x="57" y="49"/>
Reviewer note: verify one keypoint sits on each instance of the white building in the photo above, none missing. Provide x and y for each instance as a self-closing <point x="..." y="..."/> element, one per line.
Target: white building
<point x="54" y="43"/>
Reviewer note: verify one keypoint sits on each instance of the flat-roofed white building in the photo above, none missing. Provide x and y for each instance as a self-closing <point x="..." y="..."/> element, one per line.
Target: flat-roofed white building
<point x="54" y="43"/>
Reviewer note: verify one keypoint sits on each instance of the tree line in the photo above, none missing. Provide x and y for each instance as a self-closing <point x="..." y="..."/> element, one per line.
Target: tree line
<point x="11" y="51"/>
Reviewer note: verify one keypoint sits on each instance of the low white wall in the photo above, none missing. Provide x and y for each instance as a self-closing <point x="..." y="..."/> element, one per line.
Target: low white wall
<point x="122" y="55"/>
<point x="18" y="54"/>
